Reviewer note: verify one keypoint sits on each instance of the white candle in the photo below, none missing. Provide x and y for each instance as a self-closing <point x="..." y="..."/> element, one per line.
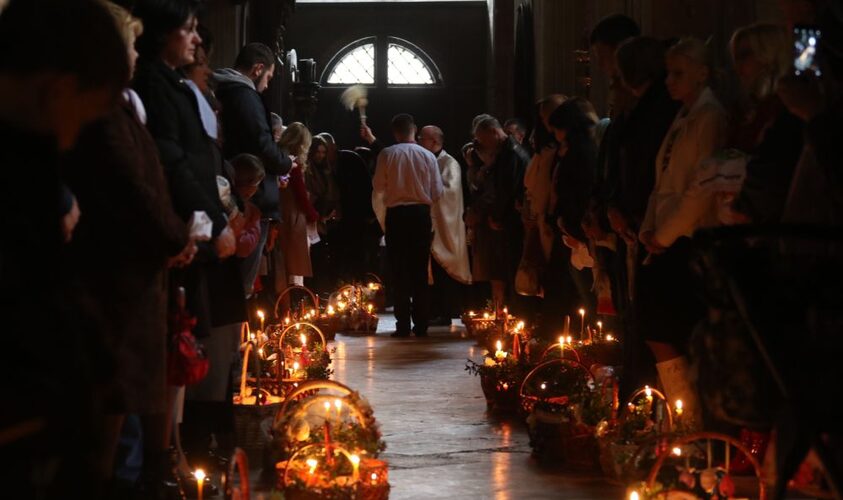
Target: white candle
<point x="200" y="480"/>
<point x="582" y="323"/>
<point x="262" y="317"/>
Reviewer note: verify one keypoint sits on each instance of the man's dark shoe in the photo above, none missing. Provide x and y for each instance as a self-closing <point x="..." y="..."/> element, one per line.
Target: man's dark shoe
<point x="400" y="334"/>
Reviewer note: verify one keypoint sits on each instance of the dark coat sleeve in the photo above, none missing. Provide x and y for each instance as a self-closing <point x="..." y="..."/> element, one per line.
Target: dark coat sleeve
<point x="245" y="110"/>
<point x="770" y="171"/>
<point x="188" y="192"/>
<point x="574" y="187"/>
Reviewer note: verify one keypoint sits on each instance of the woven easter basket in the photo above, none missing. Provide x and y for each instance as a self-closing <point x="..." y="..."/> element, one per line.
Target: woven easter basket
<point x="556" y="435"/>
<point x="235" y="480"/>
<point x="499" y="395"/>
<point x="252" y="407"/>
<point x="372" y="482"/>
<point x="619" y="460"/>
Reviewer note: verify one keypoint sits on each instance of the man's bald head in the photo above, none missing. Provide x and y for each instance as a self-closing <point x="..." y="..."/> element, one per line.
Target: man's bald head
<point x="432" y="138"/>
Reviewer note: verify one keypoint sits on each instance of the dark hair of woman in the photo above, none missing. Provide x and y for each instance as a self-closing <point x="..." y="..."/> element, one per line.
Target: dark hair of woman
<point x="576" y="116"/>
<point x="160" y="18"/>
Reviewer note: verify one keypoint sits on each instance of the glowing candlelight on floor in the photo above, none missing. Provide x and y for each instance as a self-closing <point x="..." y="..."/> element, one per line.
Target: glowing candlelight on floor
<point x="355" y="463"/>
<point x="582" y="322"/>
<point x="500" y="355"/>
<point x="262" y="317"/>
<point x="199" y="474"/>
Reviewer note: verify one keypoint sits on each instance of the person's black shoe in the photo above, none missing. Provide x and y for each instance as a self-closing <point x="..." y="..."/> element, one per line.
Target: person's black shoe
<point x="419" y="332"/>
<point x="399" y="334"/>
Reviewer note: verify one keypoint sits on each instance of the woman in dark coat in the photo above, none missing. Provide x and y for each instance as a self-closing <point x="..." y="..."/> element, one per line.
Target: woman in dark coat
<point x="168" y="43"/>
<point x="573" y="178"/>
<point x="119" y="256"/>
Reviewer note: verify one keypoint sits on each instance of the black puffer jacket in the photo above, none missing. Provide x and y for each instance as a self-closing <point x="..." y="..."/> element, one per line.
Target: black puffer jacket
<point x="247" y="128"/>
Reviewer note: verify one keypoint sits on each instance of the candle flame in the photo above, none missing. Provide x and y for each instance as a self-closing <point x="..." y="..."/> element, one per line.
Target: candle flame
<point x="355" y="460"/>
<point x="296" y="365"/>
<point x="570" y="339"/>
<point x="374" y="477"/>
<point x="678" y="404"/>
<point x="648" y="392"/>
<point x="199" y="474"/>
<point x="677" y="451"/>
<point x="338" y="403"/>
<point x="562" y="342"/>
<point x="312" y="463"/>
<point x="260" y="351"/>
<point x="634" y="496"/>
<point x="261" y="314"/>
<point x="327" y="406"/>
<point x="610" y="338"/>
<point x="499" y="345"/>
<point x="543" y="386"/>
<point x="582" y="312"/>
<point x="303" y="338"/>
<point x="599" y="324"/>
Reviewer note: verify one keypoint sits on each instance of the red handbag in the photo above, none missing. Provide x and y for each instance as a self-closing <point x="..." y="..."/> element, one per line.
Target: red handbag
<point x="187" y="362"/>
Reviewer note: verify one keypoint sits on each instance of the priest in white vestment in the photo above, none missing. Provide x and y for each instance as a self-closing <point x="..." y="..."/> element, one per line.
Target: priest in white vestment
<point x="449" y="251"/>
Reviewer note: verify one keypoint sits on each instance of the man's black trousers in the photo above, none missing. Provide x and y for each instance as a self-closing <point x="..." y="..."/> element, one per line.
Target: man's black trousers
<point x="408" y="239"/>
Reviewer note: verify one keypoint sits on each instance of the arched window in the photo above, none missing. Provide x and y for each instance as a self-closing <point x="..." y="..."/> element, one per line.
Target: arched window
<point x="363" y="61"/>
<point x="354" y="64"/>
<point x="409" y="65"/>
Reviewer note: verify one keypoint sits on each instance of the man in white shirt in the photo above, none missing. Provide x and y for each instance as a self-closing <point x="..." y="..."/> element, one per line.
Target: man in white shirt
<point x="449" y="262"/>
<point x="407" y="182"/>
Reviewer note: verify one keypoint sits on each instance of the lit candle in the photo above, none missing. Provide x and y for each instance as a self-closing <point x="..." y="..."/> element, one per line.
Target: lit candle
<point x="649" y="393"/>
<point x="562" y="343"/>
<point x="485" y="315"/>
<point x="471" y="314"/>
<point x="370" y="308"/>
<point x="374" y="478"/>
<point x="600" y="328"/>
<point x="303" y="339"/>
<point x="570" y="340"/>
<point x="582" y="323"/>
<point x="544" y="386"/>
<point x="262" y="317"/>
<point x="634" y="496"/>
<point x="260" y="351"/>
<point x="331" y="311"/>
<point x="355" y="463"/>
<point x="609" y="337"/>
<point x="311" y="468"/>
<point x="679" y="408"/>
<point x="287" y="320"/>
<point x="200" y="481"/>
<point x="500" y="355"/>
<point x="338" y="405"/>
<point x="327" y="409"/>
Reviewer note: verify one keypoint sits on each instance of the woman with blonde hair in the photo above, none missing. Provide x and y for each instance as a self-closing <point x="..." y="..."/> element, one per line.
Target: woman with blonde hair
<point x="666" y="304"/>
<point x="299" y="217"/>
<point x="765" y="130"/>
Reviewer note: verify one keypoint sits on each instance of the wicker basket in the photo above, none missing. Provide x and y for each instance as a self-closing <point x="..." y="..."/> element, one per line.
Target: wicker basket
<point x="500" y="396"/>
<point x="617" y="459"/>
<point x="527" y="400"/>
<point x="371" y="483"/>
<point x="250" y="415"/>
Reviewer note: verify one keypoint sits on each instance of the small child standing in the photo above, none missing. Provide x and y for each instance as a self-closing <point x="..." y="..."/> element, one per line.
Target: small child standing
<point x="248" y="174"/>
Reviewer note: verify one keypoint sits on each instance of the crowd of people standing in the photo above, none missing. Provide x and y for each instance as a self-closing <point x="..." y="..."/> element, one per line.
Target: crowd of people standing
<point x="159" y="174"/>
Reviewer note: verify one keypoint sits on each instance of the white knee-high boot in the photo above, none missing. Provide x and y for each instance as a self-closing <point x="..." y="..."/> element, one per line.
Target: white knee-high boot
<point x="675" y="376"/>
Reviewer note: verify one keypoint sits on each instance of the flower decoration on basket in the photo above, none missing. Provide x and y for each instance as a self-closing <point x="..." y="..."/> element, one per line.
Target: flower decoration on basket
<point x="632" y="438"/>
<point x="688" y="468"/>
<point x="326" y="444"/>
<point x="501" y="373"/>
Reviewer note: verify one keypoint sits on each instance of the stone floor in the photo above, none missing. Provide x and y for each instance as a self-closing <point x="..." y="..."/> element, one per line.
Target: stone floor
<point x="441" y="441"/>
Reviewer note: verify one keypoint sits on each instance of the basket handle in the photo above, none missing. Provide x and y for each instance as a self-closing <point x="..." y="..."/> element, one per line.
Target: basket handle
<point x="250" y="350"/>
<point x="561" y="361"/>
<point x="310" y="385"/>
<point x="374" y="278"/>
<point x="245" y="331"/>
<point x="729" y="440"/>
<point x="563" y="347"/>
<point x="297" y="325"/>
<point x="313" y="298"/>
<point x="658" y="394"/>
<point x="240" y="461"/>
<point x="336" y="448"/>
<point x="353" y="410"/>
